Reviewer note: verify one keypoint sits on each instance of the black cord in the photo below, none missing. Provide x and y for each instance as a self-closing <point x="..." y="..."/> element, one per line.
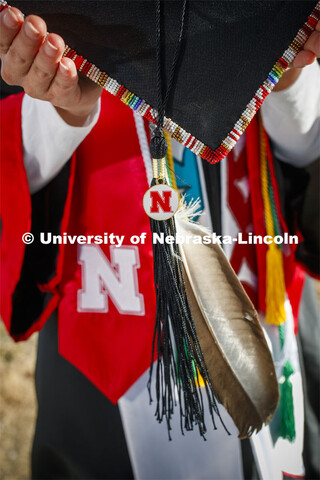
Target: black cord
<point x="158" y="145"/>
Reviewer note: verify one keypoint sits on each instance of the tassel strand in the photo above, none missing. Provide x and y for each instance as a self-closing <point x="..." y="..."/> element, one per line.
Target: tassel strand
<point x="180" y="361"/>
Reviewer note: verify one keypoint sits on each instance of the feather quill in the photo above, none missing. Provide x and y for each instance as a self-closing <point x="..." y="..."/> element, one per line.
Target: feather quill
<point x="235" y="350"/>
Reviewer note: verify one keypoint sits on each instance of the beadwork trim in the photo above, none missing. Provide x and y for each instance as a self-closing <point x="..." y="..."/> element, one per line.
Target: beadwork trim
<point x="196" y="146"/>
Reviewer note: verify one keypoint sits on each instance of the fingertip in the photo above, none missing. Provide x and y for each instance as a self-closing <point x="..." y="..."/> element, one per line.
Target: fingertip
<point x="313" y="44"/>
<point x="18" y="14"/>
<point x="57" y="41"/>
<point x="67" y="68"/>
<point x="35" y="26"/>
<point x="53" y="46"/>
<point x="311" y="57"/>
<point x="303" y="59"/>
<point x="12" y="18"/>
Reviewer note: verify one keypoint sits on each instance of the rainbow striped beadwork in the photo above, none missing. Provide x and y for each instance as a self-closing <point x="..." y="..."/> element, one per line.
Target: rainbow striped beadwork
<point x="196" y="146"/>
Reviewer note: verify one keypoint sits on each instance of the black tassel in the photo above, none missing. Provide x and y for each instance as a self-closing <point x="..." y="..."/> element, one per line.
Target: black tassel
<point x="180" y="360"/>
<point x="179" y="357"/>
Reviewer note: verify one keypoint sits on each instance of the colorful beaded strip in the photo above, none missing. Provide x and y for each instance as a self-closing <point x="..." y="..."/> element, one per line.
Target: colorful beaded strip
<point x="146" y="111"/>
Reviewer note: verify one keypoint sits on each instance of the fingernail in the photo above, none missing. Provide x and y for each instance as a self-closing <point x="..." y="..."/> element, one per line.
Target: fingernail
<point x="10" y="19"/>
<point x="31" y="30"/>
<point x="64" y="69"/>
<point x="50" y="49"/>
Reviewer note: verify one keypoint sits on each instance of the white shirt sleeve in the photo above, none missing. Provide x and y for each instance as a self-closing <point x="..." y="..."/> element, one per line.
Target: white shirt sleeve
<point x="292" y="118"/>
<point x="48" y="141"/>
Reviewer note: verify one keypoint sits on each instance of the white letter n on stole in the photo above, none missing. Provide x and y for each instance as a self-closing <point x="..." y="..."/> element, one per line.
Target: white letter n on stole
<point x="117" y="279"/>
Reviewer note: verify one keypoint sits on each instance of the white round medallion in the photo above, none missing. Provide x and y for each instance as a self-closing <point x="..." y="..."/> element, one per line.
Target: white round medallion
<point x="161" y="202"/>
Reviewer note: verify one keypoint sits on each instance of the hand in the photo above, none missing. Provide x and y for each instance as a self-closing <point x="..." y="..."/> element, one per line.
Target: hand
<point x="308" y="55"/>
<point x="34" y="62"/>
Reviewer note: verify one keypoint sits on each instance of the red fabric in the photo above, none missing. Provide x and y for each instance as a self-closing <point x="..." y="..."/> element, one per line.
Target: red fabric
<point x="52" y="286"/>
<point x="293" y="273"/>
<point x="287" y="250"/>
<point x="294" y="289"/>
<point x="15" y="214"/>
<point x="294" y="276"/>
<point x="290" y="475"/>
<point x="239" y="202"/>
<point x="15" y="205"/>
<point x="253" y="154"/>
<point x="112" y="349"/>
<point x="105" y="194"/>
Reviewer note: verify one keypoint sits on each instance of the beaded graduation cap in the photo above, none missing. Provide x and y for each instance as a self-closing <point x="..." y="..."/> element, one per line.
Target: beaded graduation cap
<point x="232" y="54"/>
<point x="199" y="70"/>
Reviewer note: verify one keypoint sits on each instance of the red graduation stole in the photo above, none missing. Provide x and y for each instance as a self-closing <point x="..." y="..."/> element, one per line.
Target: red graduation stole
<point x="107" y="306"/>
<point x="104" y="294"/>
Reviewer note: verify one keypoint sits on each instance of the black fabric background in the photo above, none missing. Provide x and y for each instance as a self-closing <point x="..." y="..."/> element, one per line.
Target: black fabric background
<point x="230" y="47"/>
<point x="79" y="433"/>
<point x="39" y="263"/>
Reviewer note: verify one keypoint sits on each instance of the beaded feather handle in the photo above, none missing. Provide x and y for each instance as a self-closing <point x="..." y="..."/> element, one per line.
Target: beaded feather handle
<point x="196" y="146"/>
